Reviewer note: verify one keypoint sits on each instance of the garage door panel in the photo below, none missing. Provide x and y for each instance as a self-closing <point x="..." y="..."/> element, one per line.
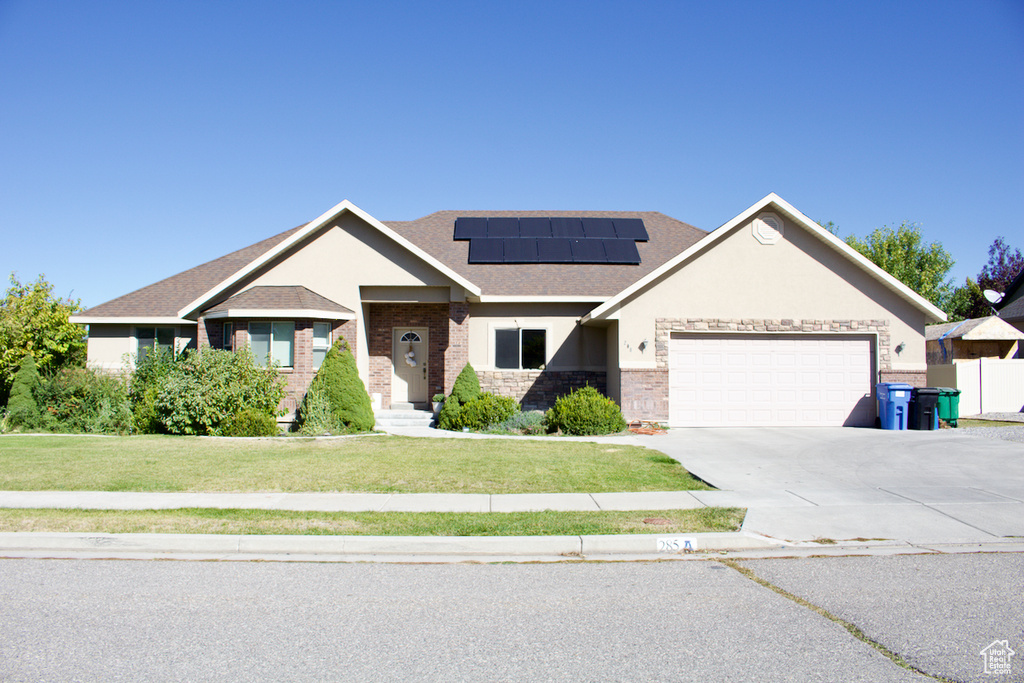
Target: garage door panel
<point x="758" y="380"/>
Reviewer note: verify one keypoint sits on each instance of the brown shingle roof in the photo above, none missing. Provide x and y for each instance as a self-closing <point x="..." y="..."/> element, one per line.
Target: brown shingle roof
<point x="166" y="297"/>
<point x="433" y="234"/>
<point x="289" y="297"/>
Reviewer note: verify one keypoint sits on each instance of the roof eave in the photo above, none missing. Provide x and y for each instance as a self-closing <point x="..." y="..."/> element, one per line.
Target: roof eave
<point x="312" y="227"/>
<point x="795" y="215"/>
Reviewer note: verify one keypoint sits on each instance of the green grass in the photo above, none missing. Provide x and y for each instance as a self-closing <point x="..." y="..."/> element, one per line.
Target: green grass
<point x="211" y="521"/>
<point x="363" y="464"/>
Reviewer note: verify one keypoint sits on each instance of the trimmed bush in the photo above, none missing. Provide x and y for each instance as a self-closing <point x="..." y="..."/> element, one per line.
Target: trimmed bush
<point x="251" y="422"/>
<point x="466" y="387"/>
<point x="486" y="410"/>
<point x="585" y="412"/>
<point x="338" y="380"/>
<point x="206" y="388"/>
<point x="464" y="390"/>
<point x="22" y="408"/>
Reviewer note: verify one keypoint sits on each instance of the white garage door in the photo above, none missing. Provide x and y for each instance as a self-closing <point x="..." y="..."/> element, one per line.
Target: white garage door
<point x="777" y="380"/>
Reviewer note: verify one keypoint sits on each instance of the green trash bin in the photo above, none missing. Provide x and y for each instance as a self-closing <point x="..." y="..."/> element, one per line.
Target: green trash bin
<point x="949" y="405"/>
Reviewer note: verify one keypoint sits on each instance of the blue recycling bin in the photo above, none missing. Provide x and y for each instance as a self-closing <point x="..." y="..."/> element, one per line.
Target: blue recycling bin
<point x="893" y="404"/>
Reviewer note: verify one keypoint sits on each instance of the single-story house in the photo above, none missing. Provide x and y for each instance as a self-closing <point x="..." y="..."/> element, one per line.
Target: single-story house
<point x="988" y="337"/>
<point x="1011" y="307"/>
<point x="768" y="320"/>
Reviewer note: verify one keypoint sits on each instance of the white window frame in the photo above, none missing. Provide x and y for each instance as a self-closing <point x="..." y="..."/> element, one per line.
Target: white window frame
<point x="263" y="361"/>
<point x="324" y="348"/>
<point x="227" y="336"/>
<point x="496" y="328"/>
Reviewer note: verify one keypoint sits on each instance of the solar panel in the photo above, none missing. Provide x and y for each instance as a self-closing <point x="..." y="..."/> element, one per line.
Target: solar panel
<point x="503" y="227"/>
<point x="468" y="228"/>
<point x="588" y="251"/>
<point x="554" y="250"/>
<point x="598" y="227"/>
<point x="558" y="239"/>
<point x="520" y="250"/>
<point x="535" y="227"/>
<point x="621" y="251"/>
<point x="566" y="227"/>
<point x="486" y="250"/>
<point x="630" y="229"/>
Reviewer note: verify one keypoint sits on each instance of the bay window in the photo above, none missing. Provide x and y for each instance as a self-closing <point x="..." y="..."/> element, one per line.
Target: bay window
<point x="273" y="343"/>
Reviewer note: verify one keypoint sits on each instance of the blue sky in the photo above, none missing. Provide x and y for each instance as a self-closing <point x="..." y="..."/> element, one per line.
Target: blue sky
<point x="140" y="139"/>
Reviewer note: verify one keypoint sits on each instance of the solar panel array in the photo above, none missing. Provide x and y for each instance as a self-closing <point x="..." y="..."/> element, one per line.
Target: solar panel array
<point x="551" y="240"/>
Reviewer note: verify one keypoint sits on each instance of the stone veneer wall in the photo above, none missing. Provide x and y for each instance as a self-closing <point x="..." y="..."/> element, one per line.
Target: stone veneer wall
<point x="645" y="392"/>
<point x="538" y="389"/>
<point x="449" y="343"/>
<point x="300" y="375"/>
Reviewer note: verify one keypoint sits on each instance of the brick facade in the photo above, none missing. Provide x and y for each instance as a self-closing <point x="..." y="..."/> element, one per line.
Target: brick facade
<point x="918" y="378"/>
<point x="644" y="393"/>
<point x="538" y="389"/>
<point x="300" y="375"/>
<point x="448" y="341"/>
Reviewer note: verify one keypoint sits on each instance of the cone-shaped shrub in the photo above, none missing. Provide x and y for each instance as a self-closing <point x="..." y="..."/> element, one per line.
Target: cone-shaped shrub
<point x="465" y="389"/>
<point x="22" y="408"/>
<point x="338" y="380"/>
<point x="467" y="386"/>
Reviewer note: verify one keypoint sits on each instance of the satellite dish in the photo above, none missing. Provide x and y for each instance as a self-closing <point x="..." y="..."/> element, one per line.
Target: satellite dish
<point x="993" y="296"/>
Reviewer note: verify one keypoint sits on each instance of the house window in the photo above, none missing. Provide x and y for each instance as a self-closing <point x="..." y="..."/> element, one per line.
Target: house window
<point x="273" y="343"/>
<point x="153" y="339"/>
<point x="321" y="343"/>
<point x="227" y="338"/>
<point x="520" y="349"/>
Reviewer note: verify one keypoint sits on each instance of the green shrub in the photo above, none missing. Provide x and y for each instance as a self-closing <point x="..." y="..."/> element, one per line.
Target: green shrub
<point x="585" y="412"/>
<point x="487" y="409"/>
<point x="338" y="380"/>
<point x="466" y="387"/>
<point x="22" y="407"/>
<point x="250" y="422"/>
<point x="314" y="416"/>
<point x="450" y="417"/>
<point x="144" y="388"/>
<point x="206" y="388"/>
<point x="82" y="400"/>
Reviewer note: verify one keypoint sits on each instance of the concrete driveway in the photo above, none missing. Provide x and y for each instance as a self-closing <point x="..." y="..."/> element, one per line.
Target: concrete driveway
<point x="800" y="484"/>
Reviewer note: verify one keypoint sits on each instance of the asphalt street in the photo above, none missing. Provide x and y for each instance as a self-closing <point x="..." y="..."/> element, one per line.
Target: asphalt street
<point x="698" y="620"/>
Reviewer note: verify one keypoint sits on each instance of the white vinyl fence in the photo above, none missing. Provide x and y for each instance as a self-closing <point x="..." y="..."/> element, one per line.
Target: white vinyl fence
<point x="987" y="385"/>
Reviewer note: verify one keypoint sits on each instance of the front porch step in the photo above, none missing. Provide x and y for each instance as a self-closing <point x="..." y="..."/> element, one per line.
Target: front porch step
<point x="387" y="419"/>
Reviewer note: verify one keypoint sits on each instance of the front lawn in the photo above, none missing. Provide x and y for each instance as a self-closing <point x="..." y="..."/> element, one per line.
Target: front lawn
<point x="209" y="521"/>
<point x="384" y="464"/>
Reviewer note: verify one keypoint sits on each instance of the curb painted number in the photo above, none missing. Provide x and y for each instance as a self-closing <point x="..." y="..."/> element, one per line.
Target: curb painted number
<point x="677" y="544"/>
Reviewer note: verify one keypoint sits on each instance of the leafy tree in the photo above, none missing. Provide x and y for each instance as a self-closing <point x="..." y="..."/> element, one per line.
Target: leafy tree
<point x="903" y="254"/>
<point x="33" y="322"/>
<point x="1002" y="267"/>
<point x="23" y="409"/>
<point x="831" y="227"/>
<point x="465" y="389"/>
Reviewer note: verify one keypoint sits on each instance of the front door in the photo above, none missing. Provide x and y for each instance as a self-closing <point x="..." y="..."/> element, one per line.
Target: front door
<point x="409" y="359"/>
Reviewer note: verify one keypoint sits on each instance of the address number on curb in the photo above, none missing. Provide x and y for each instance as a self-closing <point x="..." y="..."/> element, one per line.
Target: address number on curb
<point x="675" y="544"/>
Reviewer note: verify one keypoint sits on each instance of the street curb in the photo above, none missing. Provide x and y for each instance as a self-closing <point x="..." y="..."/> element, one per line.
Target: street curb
<point x="114" y="545"/>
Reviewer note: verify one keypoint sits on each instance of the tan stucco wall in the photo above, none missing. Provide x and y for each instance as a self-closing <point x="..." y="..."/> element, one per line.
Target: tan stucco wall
<point x="569" y="346"/>
<point x="112" y="347"/>
<point x="799" y="277"/>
